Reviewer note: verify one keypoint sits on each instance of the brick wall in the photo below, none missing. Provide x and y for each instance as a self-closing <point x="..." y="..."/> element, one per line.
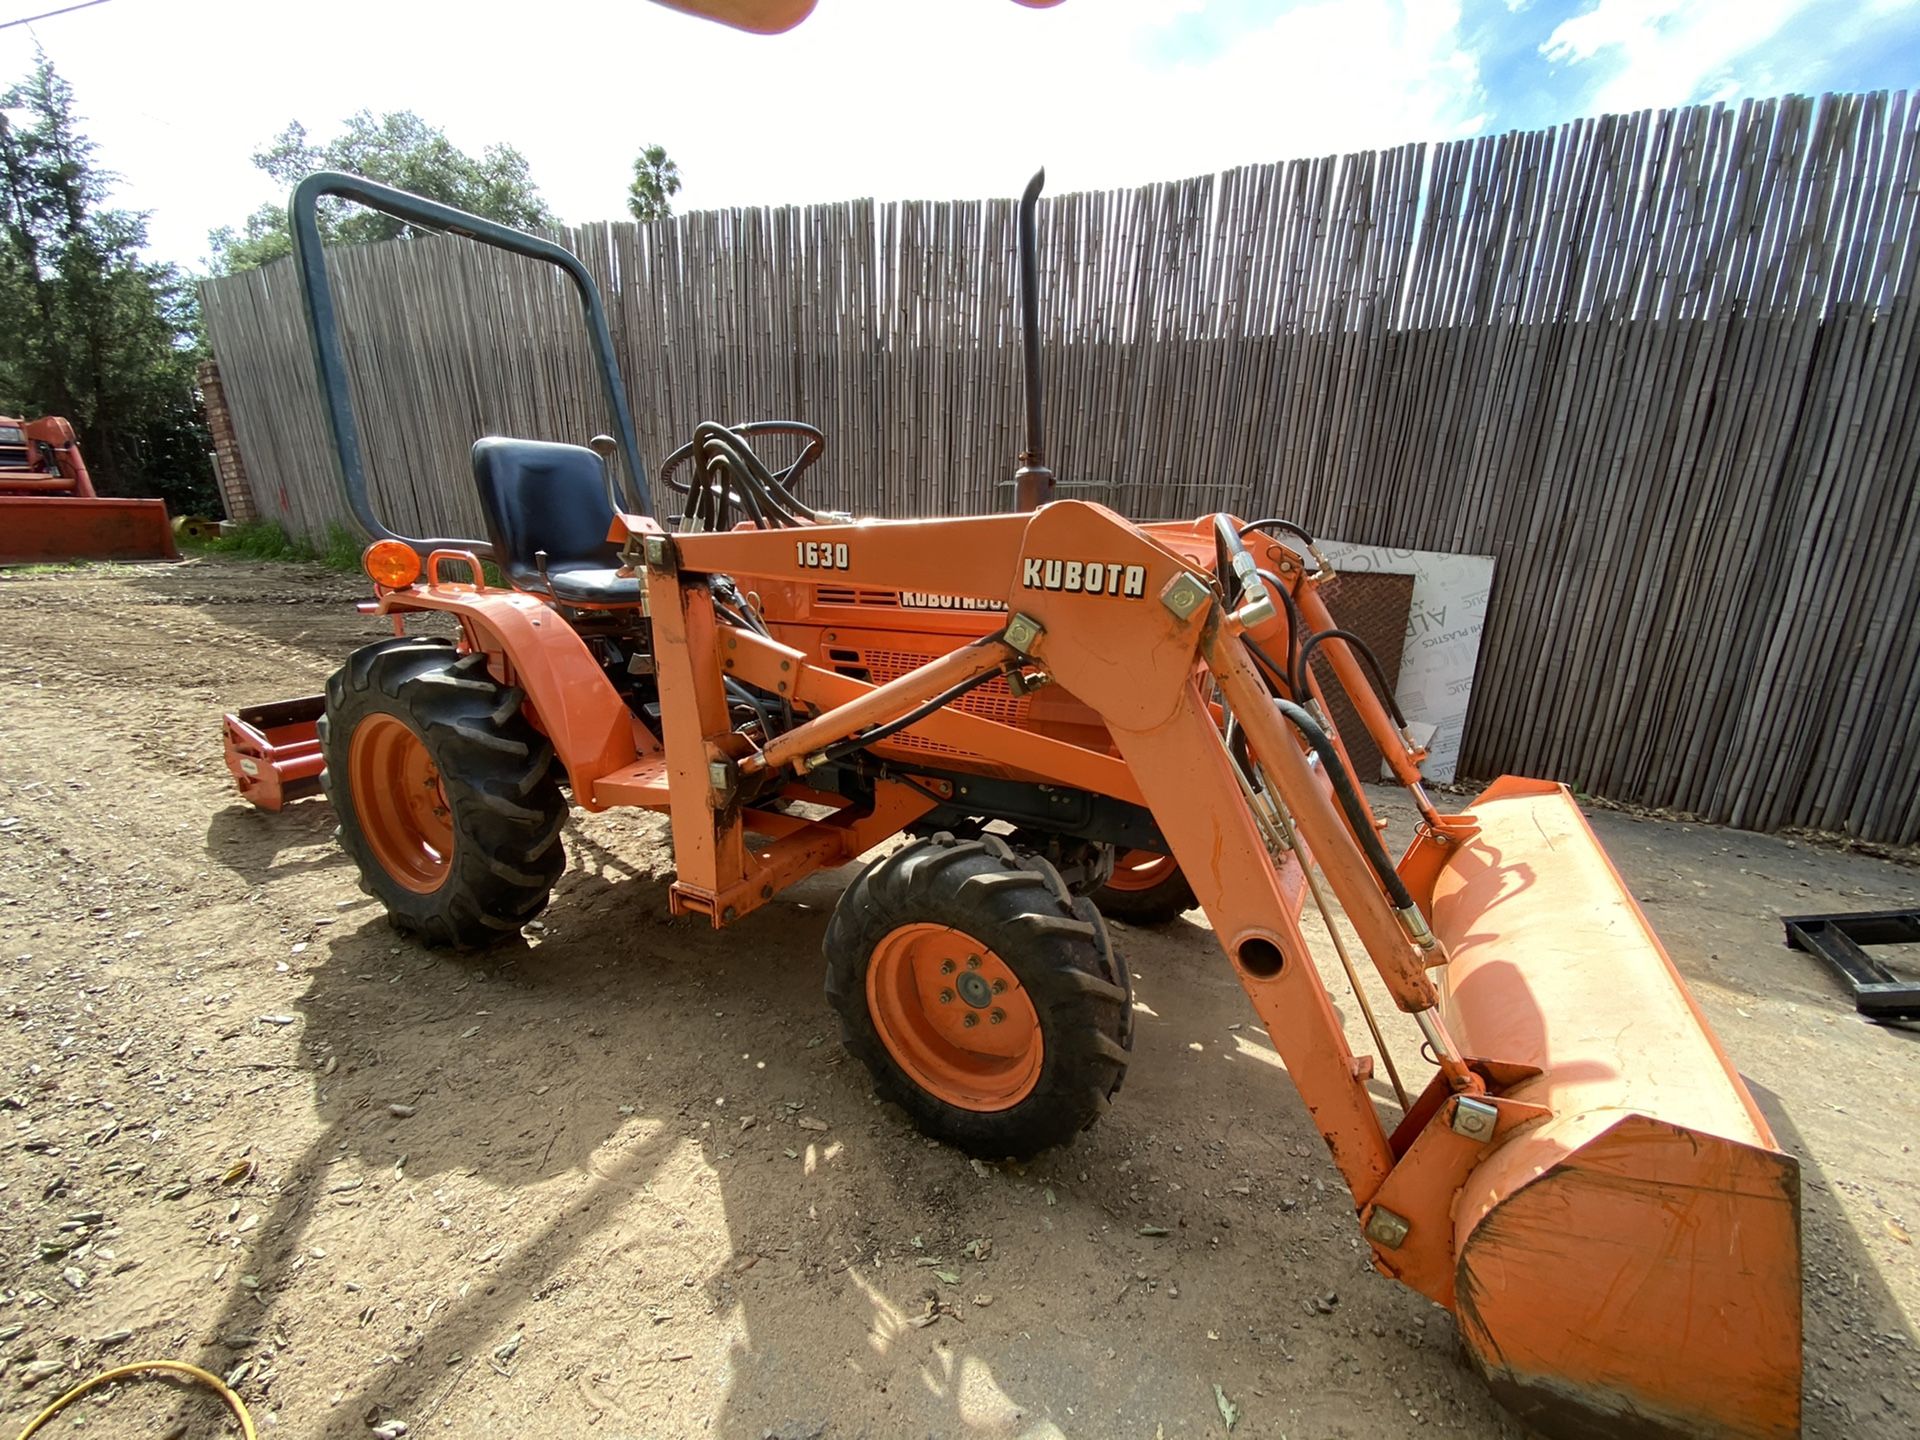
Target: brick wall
<point x="228" y="466"/>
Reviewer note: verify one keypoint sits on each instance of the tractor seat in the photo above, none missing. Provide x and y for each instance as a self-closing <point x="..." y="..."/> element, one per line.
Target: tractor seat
<point x="541" y="496"/>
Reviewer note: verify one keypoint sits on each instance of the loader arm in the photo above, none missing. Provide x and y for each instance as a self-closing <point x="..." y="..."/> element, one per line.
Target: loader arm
<point x="1585" y="1084"/>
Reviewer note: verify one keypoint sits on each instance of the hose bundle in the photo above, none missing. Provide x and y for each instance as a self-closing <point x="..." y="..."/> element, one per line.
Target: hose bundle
<point x="731" y="482"/>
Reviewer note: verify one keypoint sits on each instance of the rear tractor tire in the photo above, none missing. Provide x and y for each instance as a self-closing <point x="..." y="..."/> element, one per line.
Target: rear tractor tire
<point x="984" y="998"/>
<point x="1145" y="889"/>
<point x="447" y="798"/>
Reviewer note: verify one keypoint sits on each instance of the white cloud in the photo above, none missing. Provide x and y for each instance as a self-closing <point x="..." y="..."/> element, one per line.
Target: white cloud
<point x="933" y="99"/>
<point x="1668" y="52"/>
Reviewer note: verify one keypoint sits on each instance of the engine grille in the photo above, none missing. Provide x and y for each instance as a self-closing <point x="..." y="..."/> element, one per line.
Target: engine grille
<point x="991" y="701"/>
<point x="848" y="595"/>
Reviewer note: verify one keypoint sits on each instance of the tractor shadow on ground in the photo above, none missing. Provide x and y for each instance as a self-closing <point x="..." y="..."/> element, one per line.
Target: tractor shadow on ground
<point x="585" y="1068"/>
<point x="582" y="1068"/>
<point x="261" y="846"/>
<point x="1857" y="1338"/>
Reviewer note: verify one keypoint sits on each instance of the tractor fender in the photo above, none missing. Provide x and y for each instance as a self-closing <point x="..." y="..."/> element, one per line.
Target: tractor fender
<point x="527" y="644"/>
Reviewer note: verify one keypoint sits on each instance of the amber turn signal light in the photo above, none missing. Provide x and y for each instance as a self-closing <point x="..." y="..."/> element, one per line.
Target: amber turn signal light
<point x="391" y="564"/>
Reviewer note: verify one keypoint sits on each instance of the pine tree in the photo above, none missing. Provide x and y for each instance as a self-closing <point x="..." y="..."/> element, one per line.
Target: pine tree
<point x="88" y="329"/>
<point x="398" y="149"/>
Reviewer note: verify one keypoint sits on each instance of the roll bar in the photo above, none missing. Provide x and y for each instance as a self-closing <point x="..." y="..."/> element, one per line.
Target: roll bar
<point x="323" y="327"/>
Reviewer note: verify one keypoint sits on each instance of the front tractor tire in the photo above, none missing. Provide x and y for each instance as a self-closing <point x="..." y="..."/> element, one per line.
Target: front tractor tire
<point x="984" y="998"/>
<point x="447" y="798"/>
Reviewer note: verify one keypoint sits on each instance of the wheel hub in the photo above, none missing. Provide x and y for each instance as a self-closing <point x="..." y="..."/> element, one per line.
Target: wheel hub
<point x="400" y="803"/>
<point x="983" y="1054"/>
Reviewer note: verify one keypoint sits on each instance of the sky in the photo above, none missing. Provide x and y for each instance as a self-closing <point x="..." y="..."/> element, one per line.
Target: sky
<point x="922" y="99"/>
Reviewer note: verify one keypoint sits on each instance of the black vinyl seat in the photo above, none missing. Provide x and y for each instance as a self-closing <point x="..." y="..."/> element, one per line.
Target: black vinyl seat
<point x="541" y="496"/>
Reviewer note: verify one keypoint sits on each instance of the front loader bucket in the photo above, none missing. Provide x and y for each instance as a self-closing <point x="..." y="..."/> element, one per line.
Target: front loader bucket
<point x="55" y="528"/>
<point x="1629" y="1266"/>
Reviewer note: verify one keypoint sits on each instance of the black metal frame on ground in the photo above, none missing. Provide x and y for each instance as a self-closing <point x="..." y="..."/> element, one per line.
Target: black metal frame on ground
<point x="1838" y="940"/>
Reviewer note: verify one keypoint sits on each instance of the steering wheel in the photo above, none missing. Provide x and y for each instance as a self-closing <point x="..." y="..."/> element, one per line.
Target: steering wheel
<point x="814" y="444"/>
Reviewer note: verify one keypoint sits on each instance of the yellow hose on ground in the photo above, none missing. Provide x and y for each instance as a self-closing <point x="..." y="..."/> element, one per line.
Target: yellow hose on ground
<point x="123" y="1372"/>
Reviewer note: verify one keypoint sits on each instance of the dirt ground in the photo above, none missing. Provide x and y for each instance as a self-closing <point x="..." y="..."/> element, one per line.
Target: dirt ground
<point x="620" y="1180"/>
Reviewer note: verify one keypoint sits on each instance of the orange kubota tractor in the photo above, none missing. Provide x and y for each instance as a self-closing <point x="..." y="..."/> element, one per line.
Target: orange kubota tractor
<point x="48" y="508"/>
<point x="1139" y="713"/>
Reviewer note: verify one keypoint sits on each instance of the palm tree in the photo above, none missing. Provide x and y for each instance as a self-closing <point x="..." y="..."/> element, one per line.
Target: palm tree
<point x="656" y="180"/>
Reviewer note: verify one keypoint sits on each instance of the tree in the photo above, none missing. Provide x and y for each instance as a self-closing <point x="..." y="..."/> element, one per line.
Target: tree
<point x="88" y="329"/>
<point x="656" y="180"/>
<point x="398" y="149"/>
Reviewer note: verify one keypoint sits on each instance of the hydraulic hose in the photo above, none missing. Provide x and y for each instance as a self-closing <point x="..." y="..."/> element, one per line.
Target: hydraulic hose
<point x="1296" y="622"/>
<point x="730" y="474"/>
<point x="746" y="697"/>
<point x="1287" y="527"/>
<point x="1303" y="664"/>
<point x="1274" y="524"/>
<point x="841" y="749"/>
<point x="1344" y="789"/>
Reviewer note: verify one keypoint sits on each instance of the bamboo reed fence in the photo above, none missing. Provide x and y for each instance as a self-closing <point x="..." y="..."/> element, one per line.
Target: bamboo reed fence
<point x="1661" y="366"/>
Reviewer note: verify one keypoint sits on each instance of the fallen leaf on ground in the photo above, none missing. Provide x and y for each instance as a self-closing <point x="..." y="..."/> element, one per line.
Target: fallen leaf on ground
<point x="935" y="1309"/>
<point x="1229" y="1411"/>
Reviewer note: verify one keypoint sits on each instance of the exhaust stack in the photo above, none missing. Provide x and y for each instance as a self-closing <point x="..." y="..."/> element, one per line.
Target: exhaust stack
<point x="1033" y="481"/>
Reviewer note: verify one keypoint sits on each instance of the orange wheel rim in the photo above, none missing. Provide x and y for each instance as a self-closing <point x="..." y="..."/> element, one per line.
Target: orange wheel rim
<point x="955" y="1017"/>
<point x="1141" y="870"/>
<point x="402" y="809"/>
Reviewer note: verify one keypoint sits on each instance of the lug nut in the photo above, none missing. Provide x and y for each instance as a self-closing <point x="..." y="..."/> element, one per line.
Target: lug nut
<point x="999" y="986"/>
<point x="997" y="1016"/>
<point x="973" y="962"/>
<point x="946" y="967"/>
<point x="946" y="997"/>
<point x="970" y="1020"/>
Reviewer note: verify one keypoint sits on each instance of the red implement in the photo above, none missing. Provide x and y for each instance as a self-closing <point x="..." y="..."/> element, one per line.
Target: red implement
<point x="49" y="512"/>
<point x="274" y="750"/>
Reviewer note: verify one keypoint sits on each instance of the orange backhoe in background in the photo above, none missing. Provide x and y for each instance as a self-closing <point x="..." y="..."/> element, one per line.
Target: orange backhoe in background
<point x="48" y="508"/>
<point x="1066" y="713"/>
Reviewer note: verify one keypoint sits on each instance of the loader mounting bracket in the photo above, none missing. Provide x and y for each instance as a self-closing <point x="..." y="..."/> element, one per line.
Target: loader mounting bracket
<point x="1840" y="940"/>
